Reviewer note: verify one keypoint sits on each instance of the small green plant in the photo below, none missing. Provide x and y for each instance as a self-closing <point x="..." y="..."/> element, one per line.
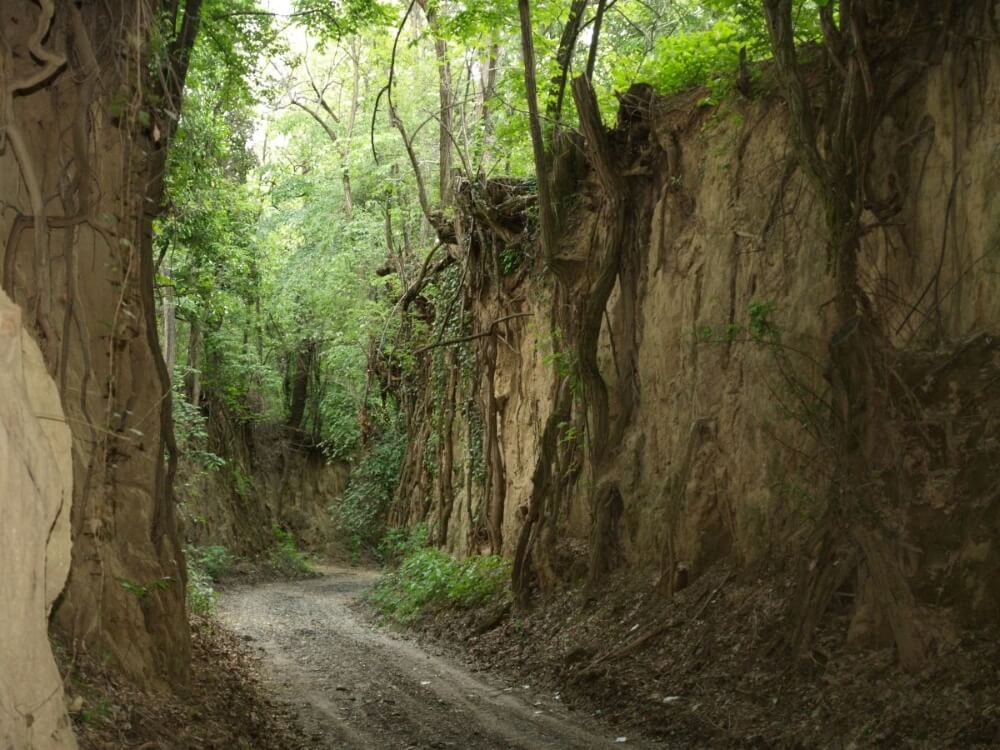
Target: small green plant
<point x="361" y="511"/>
<point x="400" y="543"/>
<point x="568" y="433"/>
<point x="509" y="259"/>
<point x="430" y="577"/>
<point x="242" y="482"/>
<point x="285" y="555"/>
<point x="99" y="713"/>
<point x="140" y="590"/>
<point x="191" y="429"/>
<point x="563" y="363"/>
<point x="201" y="594"/>
<point x="761" y="328"/>
<point x="213" y="559"/>
<point x="205" y="566"/>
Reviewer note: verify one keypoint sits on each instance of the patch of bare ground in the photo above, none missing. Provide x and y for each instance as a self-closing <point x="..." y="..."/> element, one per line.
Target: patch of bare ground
<point x="709" y="669"/>
<point x="226" y="707"/>
<point x="358" y="687"/>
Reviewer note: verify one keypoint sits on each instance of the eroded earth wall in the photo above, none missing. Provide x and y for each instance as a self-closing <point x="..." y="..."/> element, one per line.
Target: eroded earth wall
<point x="271" y="476"/>
<point x="715" y="346"/>
<point x="36" y="494"/>
<point x="77" y="145"/>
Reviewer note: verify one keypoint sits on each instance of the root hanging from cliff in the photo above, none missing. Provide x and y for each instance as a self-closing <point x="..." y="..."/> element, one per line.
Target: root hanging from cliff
<point x="833" y="137"/>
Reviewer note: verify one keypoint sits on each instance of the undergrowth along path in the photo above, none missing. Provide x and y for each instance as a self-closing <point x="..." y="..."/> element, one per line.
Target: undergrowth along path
<point x="357" y="687"/>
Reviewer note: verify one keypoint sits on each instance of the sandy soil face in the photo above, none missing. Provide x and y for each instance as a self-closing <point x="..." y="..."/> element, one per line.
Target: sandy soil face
<point x="359" y="687"/>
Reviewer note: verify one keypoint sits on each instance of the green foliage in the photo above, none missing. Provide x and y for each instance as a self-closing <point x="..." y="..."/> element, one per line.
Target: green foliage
<point x="345" y="18"/>
<point x="703" y="47"/>
<point x="207" y="234"/>
<point x="563" y="361"/>
<point x="510" y="259"/>
<point x="279" y="216"/>
<point x="360" y="513"/>
<point x="99" y="713"/>
<point x="201" y="594"/>
<point x="568" y="433"/>
<point x="432" y="578"/>
<point x="205" y="566"/>
<point x="241" y="480"/>
<point x="760" y="329"/>
<point x="140" y="590"/>
<point x="213" y="559"/>
<point x="699" y="58"/>
<point x="760" y="325"/>
<point x="285" y="555"/>
<point x="399" y="543"/>
<point x="191" y="433"/>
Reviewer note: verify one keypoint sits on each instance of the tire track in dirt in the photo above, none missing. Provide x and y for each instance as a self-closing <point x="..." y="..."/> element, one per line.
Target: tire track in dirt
<point x="355" y="687"/>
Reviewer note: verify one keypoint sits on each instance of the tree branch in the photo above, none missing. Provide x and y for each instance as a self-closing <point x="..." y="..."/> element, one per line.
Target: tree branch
<point x="596" y="37"/>
<point x="462" y="339"/>
<point x="315" y="115"/>
<point x="418" y="285"/>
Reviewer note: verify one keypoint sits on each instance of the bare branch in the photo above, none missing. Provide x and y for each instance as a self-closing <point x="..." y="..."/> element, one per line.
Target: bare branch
<point x="315" y="115"/>
<point x="462" y="339"/>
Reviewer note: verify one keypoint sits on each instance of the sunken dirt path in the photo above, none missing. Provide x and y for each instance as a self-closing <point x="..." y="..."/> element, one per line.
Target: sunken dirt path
<point x="355" y="687"/>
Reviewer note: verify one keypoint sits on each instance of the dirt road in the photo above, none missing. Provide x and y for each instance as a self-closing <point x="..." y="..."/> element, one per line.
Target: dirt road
<point x="356" y="687"/>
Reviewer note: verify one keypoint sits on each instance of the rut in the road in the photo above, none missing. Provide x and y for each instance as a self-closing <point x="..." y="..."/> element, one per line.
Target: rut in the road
<point x="355" y="686"/>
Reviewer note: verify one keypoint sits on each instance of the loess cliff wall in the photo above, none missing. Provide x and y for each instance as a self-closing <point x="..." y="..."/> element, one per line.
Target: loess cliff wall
<point x="36" y="483"/>
<point x="270" y="476"/>
<point x="79" y="153"/>
<point x="715" y="346"/>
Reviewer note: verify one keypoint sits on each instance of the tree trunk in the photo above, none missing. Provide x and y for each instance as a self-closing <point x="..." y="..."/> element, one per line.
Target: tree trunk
<point x="546" y="208"/>
<point x="498" y="483"/>
<point x="169" y="324"/>
<point x="860" y="369"/>
<point x="302" y="367"/>
<point x="564" y="58"/>
<point x="192" y="381"/>
<point x="488" y="84"/>
<point x="445" y="117"/>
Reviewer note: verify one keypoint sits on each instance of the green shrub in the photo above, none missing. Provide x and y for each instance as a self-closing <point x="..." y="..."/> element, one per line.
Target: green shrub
<point x="205" y="566"/>
<point x="212" y="560"/>
<point x="201" y="594"/>
<point x="400" y="543"/>
<point x="285" y="556"/>
<point x="361" y="511"/>
<point x="510" y="259"/>
<point x="430" y="577"/>
<point x="697" y="58"/>
<point x="191" y="431"/>
<point x="705" y="51"/>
